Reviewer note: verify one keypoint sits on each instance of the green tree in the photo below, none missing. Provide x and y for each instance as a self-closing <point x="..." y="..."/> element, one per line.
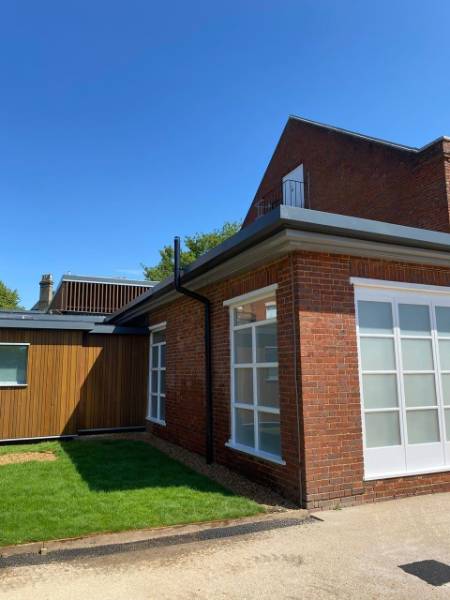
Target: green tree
<point x="9" y="299"/>
<point x="195" y="246"/>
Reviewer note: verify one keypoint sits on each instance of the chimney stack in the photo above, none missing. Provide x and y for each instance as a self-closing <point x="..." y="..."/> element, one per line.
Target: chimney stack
<point x="45" y="293"/>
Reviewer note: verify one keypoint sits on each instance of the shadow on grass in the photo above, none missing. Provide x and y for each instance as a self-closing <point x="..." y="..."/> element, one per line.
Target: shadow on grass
<point x="117" y="465"/>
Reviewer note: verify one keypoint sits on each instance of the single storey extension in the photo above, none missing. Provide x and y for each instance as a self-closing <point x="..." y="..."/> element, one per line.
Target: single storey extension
<point x="310" y="351"/>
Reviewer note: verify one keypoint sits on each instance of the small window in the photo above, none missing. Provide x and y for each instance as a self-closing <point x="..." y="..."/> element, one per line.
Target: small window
<point x="13" y="364"/>
<point x="157" y="385"/>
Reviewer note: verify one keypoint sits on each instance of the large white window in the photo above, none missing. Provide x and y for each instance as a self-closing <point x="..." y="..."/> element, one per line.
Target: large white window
<point x="404" y="357"/>
<point x="255" y="406"/>
<point x="13" y="364"/>
<point x="157" y="384"/>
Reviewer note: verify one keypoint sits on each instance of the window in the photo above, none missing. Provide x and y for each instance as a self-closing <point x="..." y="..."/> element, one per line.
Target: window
<point x="13" y="364"/>
<point x="157" y="386"/>
<point x="404" y="356"/>
<point x="255" y="406"/>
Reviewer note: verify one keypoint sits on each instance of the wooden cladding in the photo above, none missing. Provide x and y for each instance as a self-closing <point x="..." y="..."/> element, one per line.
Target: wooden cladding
<point x="76" y="381"/>
<point x="93" y="297"/>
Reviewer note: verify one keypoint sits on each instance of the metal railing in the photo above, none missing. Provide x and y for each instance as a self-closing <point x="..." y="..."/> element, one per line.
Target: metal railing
<point x="290" y="193"/>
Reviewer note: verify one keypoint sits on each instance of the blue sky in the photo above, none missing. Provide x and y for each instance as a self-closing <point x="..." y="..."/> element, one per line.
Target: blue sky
<point x="125" y="123"/>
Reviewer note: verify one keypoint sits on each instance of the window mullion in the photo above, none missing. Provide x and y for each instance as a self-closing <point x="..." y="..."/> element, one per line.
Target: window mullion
<point x="255" y="388"/>
<point x="159" y="383"/>
<point x="400" y="383"/>
<point x="438" y="382"/>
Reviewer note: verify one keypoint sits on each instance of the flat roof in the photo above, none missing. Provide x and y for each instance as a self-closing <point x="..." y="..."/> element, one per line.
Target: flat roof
<point x="31" y="319"/>
<point x="113" y="280"/>
<point x="299" y="219"/>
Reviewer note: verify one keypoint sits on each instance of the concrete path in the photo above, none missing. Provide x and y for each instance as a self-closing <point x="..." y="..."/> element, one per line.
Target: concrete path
<point x="351" y="553"/>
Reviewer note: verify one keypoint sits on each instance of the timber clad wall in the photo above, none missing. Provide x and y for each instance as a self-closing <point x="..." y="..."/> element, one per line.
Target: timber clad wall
<point x="92" y="297"/>
<point x="75" y="381"/>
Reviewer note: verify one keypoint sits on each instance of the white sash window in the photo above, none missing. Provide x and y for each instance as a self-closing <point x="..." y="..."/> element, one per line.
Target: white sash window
<point x="156" y="411"/>
<point x="255" y="405"/>
<point x="404" y="359"/>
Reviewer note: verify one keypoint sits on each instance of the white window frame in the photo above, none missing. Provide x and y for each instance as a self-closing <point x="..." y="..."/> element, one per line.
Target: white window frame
<point x="10" y="384"/>
<point x="155" y="329"/>
<point x="405" y="459"/>
<point x="261" y="294"/>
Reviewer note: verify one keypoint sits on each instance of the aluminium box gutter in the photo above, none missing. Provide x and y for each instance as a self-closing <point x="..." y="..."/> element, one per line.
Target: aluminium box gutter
<point x="325" y="224"/>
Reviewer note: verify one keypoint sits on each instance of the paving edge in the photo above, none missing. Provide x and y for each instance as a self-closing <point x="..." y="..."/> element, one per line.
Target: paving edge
<point x="37" y="553"/>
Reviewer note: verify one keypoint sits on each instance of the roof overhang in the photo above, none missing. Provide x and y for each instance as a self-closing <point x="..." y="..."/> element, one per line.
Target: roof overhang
<point x="35" y="320"/>
<point x="286" y="229"/>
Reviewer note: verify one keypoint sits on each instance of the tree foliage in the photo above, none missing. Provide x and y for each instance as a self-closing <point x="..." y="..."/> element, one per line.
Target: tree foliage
<point x="195" y="246"/>
<point x="9" y="299"/>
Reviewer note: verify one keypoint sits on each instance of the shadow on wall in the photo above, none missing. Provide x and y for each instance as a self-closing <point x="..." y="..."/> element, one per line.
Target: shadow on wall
<point x="113" y="391"/>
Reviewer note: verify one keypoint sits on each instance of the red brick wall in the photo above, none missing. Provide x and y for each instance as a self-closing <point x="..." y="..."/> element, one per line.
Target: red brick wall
<point x="185" y="407"/>
<point x="316" y="315"/>
<point x="332" y="442"/>
<point x="352" y="176"/>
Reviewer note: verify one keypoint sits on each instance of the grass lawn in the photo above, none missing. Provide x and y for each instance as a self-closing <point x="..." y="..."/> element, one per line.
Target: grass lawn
<point x="108" y="485"/>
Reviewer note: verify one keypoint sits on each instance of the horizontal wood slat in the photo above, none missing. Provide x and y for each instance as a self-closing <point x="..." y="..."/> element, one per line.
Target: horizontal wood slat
<point x="75" y="381"/>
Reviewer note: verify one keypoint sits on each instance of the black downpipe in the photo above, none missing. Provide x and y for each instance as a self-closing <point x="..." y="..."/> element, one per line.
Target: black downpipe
<point x="208" y="354"/>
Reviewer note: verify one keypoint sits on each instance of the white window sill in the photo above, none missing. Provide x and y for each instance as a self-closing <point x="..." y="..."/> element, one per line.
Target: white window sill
<point x="441" y="469"/>
<point x="156" y="421"/>
<point x="12" y="384"/>
<point x="258" y="454"/>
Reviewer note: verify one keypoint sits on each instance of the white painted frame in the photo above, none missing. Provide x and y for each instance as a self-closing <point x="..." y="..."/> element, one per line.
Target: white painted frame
<point x="9" y="384"/>
<point x="406" y="459"/>
<point x="156" y="329"/>
<point x="261" y="294"/>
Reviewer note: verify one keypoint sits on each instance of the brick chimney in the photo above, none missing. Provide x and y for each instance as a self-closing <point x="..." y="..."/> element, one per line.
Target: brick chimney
<point x="45" y="293"/>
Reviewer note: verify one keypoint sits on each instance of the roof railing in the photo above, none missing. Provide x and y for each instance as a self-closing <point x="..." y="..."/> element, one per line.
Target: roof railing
<point x="290" y="193"/>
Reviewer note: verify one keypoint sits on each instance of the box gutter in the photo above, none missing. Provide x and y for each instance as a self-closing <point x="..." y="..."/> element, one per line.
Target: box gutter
<point x="313" y="230"/>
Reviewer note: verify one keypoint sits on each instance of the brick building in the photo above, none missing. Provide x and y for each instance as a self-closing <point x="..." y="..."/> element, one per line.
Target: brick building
<point x="329" y="321"/>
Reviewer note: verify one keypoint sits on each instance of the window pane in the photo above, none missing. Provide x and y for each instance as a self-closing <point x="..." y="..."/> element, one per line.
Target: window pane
<point x="268" y="386"/>
<point x="269" y="433"/>
<point x="447" y="423"/>
<point x="162" y="408"/>
<point x="446" y="388"/>
<point x="155" y="357"/>
<point x="154" y="407"/>
<point x="154" y="382"/>
<point x="159" y="336"/>
<point x="266" y="343"/>
<point x="375" y="317"/>
<point x="382" y="429"/>
<point x="420" y="390"/>
<point x="244" y="427"/>
<point x="414" y="319"/>
<point x="380" y="391"/>
<point x="423" y="426"/>
<point x="243" y="346"/>
<point x="444" y="354"/>
<point x="417" y="355"/>
<point x="255" y="311"/>
<point x="377" y="354"/>
<point x="162" y="350"/>
<point x="243" y="386"/>
<point x="443" y="320"/>
<point x="13" y="364"/>
<point x="162" y="382"/>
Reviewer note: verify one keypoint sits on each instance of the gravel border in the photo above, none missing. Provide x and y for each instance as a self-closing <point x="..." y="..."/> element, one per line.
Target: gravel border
<point x="235" y="482"/>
